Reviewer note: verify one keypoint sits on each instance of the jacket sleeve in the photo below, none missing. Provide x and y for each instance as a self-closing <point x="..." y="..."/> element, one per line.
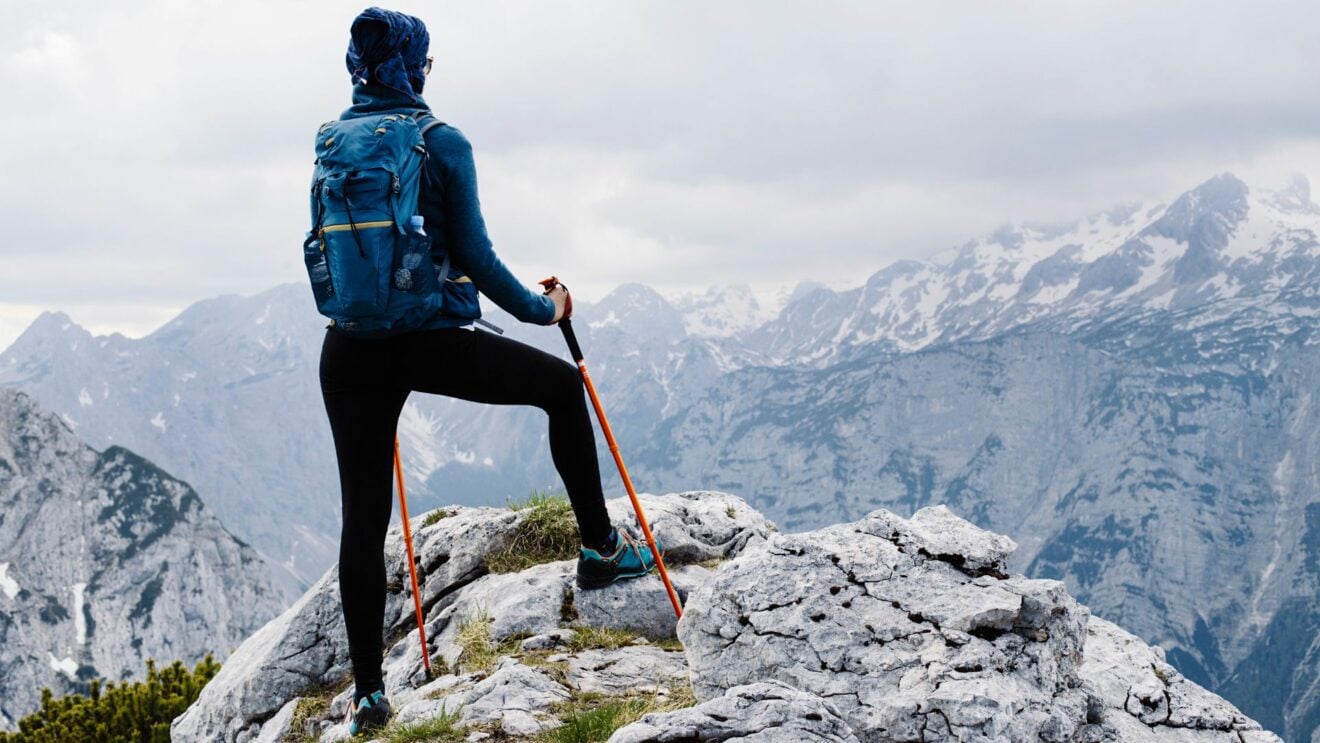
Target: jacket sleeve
<point x="469" y="245"/>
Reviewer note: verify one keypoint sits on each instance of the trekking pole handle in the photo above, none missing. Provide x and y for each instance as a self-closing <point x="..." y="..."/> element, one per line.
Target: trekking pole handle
<point x="565" y="325"/>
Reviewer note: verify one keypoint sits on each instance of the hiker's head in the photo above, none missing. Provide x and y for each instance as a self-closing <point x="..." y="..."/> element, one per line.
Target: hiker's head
<point x="389" y="48"/>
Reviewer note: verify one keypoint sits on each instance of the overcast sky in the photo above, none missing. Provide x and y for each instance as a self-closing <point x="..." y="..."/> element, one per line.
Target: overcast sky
<point x="158" y="153"/>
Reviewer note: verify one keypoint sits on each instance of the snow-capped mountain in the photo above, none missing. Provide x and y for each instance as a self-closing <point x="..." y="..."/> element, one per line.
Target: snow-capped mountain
<point x="106" y="561"/>
<point x="1214" y="242"/>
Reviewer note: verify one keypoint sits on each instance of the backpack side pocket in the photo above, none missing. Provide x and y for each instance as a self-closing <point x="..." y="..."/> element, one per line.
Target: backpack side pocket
<point x="318" y="272"/>
<point x="460" y="295"/>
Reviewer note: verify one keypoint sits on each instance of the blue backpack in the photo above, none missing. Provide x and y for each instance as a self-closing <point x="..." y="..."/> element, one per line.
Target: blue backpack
<point x="368" y="255"/>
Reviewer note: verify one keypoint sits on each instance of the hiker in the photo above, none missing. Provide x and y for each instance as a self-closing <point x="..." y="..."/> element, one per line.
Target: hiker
<point x="367" y="376"/>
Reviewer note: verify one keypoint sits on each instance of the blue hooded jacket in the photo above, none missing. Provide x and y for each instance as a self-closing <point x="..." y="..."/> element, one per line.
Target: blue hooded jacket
<point x="387" y="59"/>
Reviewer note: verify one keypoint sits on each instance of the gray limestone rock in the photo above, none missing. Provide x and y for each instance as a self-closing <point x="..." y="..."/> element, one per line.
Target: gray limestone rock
<point x="527" y="603"/>
<point x="307" y="645"/>
<point x="763" y="712"/>
<point x="277" y="728"/>
<point x="937" y="532"/>
<point x="1146" y="699"/>
<point x="695" y="526"/>
<point x="516" y="697"/>
<point x="548" y="641"/>
<point x="629" y="670"/>
<point x="882" y="629"/>
<point x="907" y="637"/>
<point x="640" y="606"/>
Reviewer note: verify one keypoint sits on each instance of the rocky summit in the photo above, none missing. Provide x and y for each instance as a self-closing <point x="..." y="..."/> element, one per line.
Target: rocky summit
<point x="877" y="630"/>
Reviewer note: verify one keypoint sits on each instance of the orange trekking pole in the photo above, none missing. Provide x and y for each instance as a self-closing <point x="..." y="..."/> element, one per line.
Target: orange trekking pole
<point x="412" y="562"/>
<point x="576" y="351"/>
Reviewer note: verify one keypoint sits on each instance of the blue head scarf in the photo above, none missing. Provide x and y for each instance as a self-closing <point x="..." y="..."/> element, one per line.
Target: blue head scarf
<point x="388" y="48"/>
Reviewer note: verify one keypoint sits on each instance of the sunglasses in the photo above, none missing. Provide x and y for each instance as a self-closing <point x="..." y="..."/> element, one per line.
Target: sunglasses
<point x="429" y="61"/>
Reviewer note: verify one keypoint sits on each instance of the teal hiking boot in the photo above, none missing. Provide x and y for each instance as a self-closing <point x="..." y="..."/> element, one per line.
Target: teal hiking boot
<point x="372" y="713"/>
<point x="630" y="559"/>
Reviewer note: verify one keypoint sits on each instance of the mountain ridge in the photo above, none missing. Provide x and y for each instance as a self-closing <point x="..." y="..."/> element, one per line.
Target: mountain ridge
<point x="107" y="561"/>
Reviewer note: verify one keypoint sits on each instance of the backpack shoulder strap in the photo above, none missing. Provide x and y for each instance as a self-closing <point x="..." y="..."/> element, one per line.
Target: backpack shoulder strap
<point x="427" y="121"/>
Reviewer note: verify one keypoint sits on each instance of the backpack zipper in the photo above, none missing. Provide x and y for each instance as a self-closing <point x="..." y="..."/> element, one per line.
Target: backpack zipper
<point x="357" y="226"/>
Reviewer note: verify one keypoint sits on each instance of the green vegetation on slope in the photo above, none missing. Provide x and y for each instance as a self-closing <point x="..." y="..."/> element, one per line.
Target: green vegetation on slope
<point x="547" y="532"/>
<point x="139" y="711"/>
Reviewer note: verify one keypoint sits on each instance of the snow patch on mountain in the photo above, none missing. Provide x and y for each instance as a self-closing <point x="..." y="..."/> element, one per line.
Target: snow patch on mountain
<point x="67" y="666"/>
<point x="79" y="615"/>
<point x="7" y="583"/>
<point x="723" y="311"/>
<point x="605" y="322"/>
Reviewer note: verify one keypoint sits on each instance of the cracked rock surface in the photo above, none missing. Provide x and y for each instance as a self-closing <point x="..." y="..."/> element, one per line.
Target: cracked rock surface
<point x="914" y="631"/>
<point x="639" y="668"/>
<point x="763" y="712"/>
<point x="641" y="607"/>
<point x="1149" y="700"/>
<point x="908" y="642"/>
<point x="304" y="651"/>
<point x="696" y="526"/>
<point x="514" y="696"/>
<point x="306" y="645"/>
<point x="884" y="629"/>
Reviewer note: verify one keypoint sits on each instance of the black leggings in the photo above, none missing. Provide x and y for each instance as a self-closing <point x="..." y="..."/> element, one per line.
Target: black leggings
<point x="365" y="383"/>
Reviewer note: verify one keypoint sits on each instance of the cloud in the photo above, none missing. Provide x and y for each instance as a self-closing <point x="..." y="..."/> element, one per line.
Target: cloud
<point x="159" y="153"/>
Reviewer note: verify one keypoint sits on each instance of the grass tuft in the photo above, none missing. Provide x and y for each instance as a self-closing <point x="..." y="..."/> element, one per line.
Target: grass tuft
<point x="593" y="718"/>
<point x="314" y="706"/>
<point x="602" y="638"/>
<point x="478" y="652"/>
<point x="597" y="723"/>
<point x="437" y="515"/>
<point x="547" y="533"/>
<point x="441" y="729"/>
<point x="669" y="643"/>
<point x="713" y="563"/>
<point x="680" y="697"/>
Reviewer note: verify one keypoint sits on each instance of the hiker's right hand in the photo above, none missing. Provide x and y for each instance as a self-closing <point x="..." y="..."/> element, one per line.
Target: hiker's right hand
<point x="563" y="305"/>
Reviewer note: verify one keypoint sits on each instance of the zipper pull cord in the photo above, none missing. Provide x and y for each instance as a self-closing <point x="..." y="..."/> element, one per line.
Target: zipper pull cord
<point x="352" y="224"/>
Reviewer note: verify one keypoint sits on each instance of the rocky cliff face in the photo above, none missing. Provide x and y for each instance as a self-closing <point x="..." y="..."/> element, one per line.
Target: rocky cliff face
<point x="880" y="629"/>
<point x="196" y="397"/>
<point x="106" y="561"/>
